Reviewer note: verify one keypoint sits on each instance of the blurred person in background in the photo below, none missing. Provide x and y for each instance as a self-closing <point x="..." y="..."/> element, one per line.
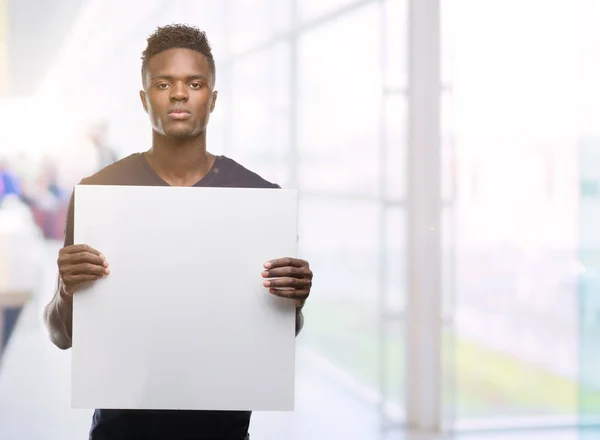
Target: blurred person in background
<point x="12" y="184"/>
<point x="10" y="180"/>
<point x="48" y="178"/>
<point x="178" y="77"/>
<point x="98" y="135"/>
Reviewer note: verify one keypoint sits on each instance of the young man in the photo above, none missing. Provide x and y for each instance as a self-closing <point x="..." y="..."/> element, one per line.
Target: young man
<point x="178" y="73"/>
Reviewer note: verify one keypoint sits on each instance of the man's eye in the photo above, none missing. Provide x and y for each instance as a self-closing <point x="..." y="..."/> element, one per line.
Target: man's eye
<point x="196" y="86"/>
<point x="163" y="86"/>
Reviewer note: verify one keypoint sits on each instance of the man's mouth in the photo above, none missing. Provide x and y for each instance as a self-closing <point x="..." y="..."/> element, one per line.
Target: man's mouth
<point x="179" y="114"/>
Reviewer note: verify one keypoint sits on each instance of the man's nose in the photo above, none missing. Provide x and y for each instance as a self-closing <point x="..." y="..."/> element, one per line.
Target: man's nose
<point x="179" y="92"/>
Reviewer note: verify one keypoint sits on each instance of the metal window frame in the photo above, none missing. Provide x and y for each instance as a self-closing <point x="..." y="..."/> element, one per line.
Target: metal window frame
<point x="423" y="317"/>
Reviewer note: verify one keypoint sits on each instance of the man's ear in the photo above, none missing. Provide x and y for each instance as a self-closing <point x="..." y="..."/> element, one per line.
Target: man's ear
<point x="143" y="98"/>
<point x="214" y="100"/>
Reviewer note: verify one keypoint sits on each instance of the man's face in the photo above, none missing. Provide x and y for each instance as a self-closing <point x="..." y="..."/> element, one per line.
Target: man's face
<point x="178" y="95"/>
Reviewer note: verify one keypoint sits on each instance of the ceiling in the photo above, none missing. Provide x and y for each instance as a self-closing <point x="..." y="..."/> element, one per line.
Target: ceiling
<point x="35" y="32"/>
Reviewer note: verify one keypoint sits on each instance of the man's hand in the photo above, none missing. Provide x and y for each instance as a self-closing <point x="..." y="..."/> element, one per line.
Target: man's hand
<point x="79" y="264"/>
<point x="288" y="278"/>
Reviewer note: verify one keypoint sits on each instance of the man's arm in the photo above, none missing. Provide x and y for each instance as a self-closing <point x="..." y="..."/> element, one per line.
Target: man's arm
<point x="58" y="316"/>
<point x="299" y="320"/>
<point x="77" y="264"/>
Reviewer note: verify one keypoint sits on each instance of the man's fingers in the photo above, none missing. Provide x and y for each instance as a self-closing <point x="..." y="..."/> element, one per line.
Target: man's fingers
<point x="289" y="278"/>
<point x="282" y="262"/>
<point x="88" y="269"/>
<point x="286" y="283"/>
<point x="74" y="280"/>
<point x="77" y="248"/>
<point x="298" y="295"/>
<point x="85" y="257"/>
<point x="287" y="271"/>
<point x="79" y="258"/>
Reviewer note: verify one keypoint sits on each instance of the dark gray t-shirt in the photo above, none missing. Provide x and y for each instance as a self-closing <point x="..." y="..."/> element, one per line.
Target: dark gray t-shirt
<point x="168" y="425"/>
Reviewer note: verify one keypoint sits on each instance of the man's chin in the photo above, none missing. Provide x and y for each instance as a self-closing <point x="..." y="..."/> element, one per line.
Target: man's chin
<point x="181" y="134"/>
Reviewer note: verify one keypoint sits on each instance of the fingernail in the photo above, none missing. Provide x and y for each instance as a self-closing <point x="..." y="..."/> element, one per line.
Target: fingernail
<point x="107" y="271"/>
<point x="267" y="265"/>
<point x="105" y="263"/>
<point x="267" y="283"/>
<point x="102" y="256"/>
<point x="265" y="274"/>
<point x="271" y="290"/>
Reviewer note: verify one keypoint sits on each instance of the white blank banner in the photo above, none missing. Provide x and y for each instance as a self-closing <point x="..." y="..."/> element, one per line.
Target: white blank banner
<point x="183" y="320"/>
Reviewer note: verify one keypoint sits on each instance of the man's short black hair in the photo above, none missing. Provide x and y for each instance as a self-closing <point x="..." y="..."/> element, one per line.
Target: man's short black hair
<point x="178" y="36"/>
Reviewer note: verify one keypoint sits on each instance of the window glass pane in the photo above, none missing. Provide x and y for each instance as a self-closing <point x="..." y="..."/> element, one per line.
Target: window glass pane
<point x="395" y="146"/>
<point x="344" y="248"/>
<point x="589" y="216"/>
<point x="448" y="162"/>
<point x="503" y="87"/>
<point x="260" y="112"/>
<point x="340" y="240"/>
<point x="252" y="22"/>
<point x="516" y="223"/>
<point x="393" y="344"/>
<point x="311" y="9"/>
<point x="589" y="70"/>
<point x="210" y="16"/>
<point x="448" y="260"/>
<point x="515" y="292"/>
<point x="395" y="16"/>
<point x="448" y="45"/>
<point x="215" y="133"/>
<point x="395" y="254"/>
<point x="339" y="105"/>
<point x="395" y="290"/>
<point x="449" y="353"/>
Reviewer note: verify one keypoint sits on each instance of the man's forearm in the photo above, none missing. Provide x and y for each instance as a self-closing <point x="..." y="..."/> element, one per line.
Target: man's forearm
<point x="58" y="316"/>
<point x="299" y="320"/>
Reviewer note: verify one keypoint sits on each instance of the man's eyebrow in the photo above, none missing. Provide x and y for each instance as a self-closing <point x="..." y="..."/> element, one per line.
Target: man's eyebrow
<point x="170" y="78"/>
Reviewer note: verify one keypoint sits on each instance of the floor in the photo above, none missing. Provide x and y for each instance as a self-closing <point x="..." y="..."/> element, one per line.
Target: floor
<point x="35" y="383"/>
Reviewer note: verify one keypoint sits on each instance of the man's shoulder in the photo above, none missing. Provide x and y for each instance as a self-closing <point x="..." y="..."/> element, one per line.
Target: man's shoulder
<point x="117" y="173"/>
<point x="237" y="175"/>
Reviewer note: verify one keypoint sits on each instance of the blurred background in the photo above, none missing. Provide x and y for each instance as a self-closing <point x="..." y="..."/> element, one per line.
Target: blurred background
<point x="479" y="116"/>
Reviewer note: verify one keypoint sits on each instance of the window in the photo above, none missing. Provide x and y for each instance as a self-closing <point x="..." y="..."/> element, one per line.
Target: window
<point x="396" y="138"/>
<point x="339" y="94"/>
<point x="395" y="35"/>
<point x="259" y="107"/>
<point x="311" y="9"/>
<point x="513" y="111"/>
<point x="393" y="297"/>
<point x="340" y="238"/>
<point x="253" y="22"/>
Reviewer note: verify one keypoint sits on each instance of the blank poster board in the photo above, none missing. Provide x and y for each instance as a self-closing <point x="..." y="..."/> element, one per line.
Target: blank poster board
<point x="183" y="321"/>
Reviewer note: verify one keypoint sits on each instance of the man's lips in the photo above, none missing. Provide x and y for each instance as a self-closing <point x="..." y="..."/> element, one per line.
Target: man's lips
<point x="179" y="114"/>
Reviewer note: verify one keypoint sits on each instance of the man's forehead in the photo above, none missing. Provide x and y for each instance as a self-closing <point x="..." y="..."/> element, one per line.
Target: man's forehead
<point x="178" y="64"/>
<point x="178" y="58"/>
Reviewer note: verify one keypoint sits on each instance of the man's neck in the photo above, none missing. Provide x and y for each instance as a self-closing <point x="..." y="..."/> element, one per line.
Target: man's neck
<point x="180" y="162"/>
